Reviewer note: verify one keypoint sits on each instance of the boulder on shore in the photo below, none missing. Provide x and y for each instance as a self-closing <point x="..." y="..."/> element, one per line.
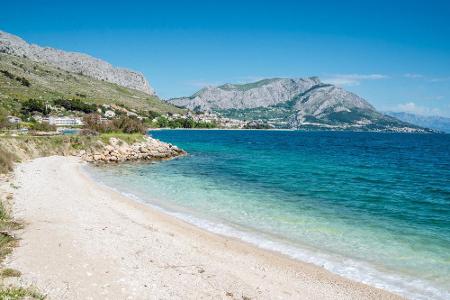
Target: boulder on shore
<point x="120" y="151"/>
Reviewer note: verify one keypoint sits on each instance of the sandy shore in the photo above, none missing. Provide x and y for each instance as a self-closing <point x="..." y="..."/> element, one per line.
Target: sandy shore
<point x="83" y="241"/>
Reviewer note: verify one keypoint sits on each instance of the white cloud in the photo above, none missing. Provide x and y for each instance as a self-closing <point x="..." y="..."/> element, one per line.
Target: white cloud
<point x="440" y="79"/>
<point x="427" y="78"/>
<point x="352" y="79"/>
<point x="413" y="75"/>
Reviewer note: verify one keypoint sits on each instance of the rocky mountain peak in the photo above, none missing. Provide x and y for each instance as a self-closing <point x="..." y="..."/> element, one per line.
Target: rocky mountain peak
<point x="293" y="103"/>
<point x="74" y="62"/>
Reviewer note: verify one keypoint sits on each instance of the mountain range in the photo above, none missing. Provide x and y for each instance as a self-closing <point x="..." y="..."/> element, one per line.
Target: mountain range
<point x="438" y="123"/>
<point x="301" y="103"/>
<point x="29" y="71"/>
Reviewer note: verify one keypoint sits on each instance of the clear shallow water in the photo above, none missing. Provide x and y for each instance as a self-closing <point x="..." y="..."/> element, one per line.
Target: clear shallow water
<point x="370" y="206"/>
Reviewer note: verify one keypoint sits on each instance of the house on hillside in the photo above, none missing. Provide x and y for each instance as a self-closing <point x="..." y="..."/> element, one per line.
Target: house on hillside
<point x="14" y="119"/>
<point x="65" y="121"/>
<point x="110" y="114"/>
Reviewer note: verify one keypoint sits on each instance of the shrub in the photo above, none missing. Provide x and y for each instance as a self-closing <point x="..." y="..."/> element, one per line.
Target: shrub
<point x="153" y="114"/>
<point x="128" y="125"/>
<point x="12" y="293"/>
<point x="88" y="132"/>
<point x="24" y="81"/>
<point x="123" y="124"/>
<point x="92" y="122"/>
<point x="76" y="105"/>
<point x="81" y="95"/>
<point x="7" y="160"/>
<point x="7" y="74"/>
<point x="42" y="127"/>
<point x="8" y="272"/>
<point x="163" y="122"/>
<point x="34" y="105"/>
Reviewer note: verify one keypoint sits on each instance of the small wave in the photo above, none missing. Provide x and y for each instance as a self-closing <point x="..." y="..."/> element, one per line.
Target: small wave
<point x="355" y="270"/>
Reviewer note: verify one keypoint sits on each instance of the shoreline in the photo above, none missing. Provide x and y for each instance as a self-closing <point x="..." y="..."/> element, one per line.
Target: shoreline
<point x="149" y="130"/>
<point x="103" y="243"/>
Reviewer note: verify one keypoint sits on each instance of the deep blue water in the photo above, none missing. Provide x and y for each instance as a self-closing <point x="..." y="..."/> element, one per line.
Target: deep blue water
<point x="374" y="207"/>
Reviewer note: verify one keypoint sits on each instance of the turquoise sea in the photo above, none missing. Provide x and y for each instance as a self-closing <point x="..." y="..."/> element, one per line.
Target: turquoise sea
<point x="374" y="207"/>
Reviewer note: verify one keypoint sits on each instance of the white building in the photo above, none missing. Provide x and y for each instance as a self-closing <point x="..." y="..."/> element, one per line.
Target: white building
<point x="14" y="120"/>
<point x="38" y="118"/>
<point x="110" y="114"/>
<point x="65" y="121"/>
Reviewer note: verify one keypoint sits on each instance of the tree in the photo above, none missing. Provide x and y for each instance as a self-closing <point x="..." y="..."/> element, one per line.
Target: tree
<point x="162" y="122"/>
<point x="34" y="105"/>
<point x="92" y="122"/>
<point x="129" y="125"/>
<point x="42" y="127"/>
<point x="76" y="105"/>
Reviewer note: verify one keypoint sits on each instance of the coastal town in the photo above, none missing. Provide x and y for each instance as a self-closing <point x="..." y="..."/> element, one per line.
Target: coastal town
<point x="59" y="120"/>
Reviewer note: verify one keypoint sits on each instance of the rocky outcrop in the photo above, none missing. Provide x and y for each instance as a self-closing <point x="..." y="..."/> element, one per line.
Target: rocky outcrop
<point x="119" y="151"/>
<point x="74" y="62"/>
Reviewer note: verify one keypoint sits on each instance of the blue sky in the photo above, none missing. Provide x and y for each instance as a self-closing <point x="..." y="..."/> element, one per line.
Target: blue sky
<point x="396" y="54"/>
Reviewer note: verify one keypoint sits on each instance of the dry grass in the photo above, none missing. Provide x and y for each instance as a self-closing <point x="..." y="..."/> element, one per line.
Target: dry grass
<point x="8" y="272"/>
<point x="13" y="293"/>
<point x="7" y="160"/>
<point x="8" y="241"/>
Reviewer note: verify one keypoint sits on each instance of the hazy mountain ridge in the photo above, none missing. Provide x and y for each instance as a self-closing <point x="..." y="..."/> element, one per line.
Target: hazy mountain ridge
<point x="74" y="62"/>
<point x="302" y="103"/>
<point x="434" y="122"/>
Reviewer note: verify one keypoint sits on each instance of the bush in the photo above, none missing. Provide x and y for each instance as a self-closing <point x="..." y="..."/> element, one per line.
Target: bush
<point x="88" y="132"/>
<point x="92" y="122"/>
<point x="8" y="272"/>
<point x="129" y="125"/>
<point x="163" y="122"/>
<point x="23" y="81"/>
<point x="7" y="160"/>
<point x="123" y="124"/>
<point x="7" y="74"/>
<point x="76" y="105"/>
<point x="34" y="105"/>
<point x="42" y="127"/>
<point x="153" y="114"/>
<point x="12" y="293"/>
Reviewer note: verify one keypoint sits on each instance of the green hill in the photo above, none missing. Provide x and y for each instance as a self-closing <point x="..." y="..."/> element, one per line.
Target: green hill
<point x="22" y="79"/>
